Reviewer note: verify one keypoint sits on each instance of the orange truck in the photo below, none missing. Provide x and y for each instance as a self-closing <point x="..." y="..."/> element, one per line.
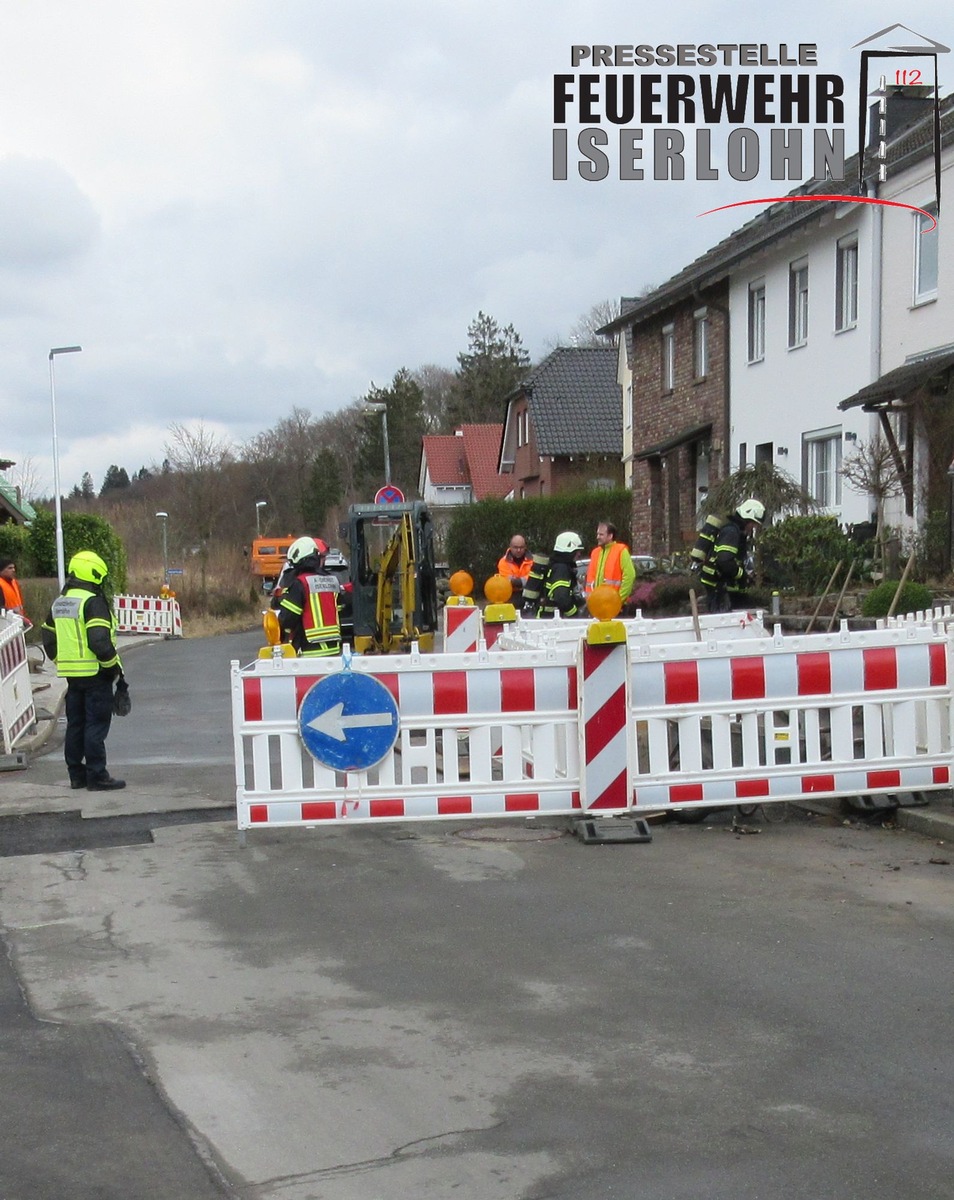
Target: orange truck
<point x="268" y="558"/>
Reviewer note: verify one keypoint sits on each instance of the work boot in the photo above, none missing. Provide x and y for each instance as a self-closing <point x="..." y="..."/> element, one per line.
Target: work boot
<point x="77" y="781"/>
<point x="105" y="783"/>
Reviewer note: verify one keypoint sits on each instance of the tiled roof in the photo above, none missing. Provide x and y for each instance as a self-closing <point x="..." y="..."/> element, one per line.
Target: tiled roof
<point x="466" y="459"/>
<point x="18" y="509"/>
<point x="482" y="451"/>
<point x="575" y="402"/>
<point x="714" y="266"/>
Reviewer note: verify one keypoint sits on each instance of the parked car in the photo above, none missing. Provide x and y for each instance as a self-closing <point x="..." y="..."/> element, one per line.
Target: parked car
<point x="644" y="564"/>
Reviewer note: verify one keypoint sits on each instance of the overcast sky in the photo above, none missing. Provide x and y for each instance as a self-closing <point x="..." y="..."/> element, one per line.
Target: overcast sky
<point x="239" y="206"/>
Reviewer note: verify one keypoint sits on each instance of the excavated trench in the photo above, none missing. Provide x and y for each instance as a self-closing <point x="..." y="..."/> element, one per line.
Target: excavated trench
<point x="53" y="832"/>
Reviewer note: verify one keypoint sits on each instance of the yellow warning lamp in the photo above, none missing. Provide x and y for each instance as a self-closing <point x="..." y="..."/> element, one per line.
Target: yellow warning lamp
<point x="604" y="603"/>
<point x="461" y="584"/>
<point x="273" y="635"/>
<point x="498" y="589"/>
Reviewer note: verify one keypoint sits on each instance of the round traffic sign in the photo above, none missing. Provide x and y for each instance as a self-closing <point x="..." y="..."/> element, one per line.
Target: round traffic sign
<point x="348" y="722"/>
<point x="389" y="494"/>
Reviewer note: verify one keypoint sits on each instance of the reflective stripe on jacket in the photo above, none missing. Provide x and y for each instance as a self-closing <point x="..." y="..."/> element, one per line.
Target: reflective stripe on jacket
<point x="319" y="632"/>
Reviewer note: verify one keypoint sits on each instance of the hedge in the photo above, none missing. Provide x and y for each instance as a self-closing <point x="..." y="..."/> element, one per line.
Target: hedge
<point x="480" y="533"/>
<point x="81" y="531"/>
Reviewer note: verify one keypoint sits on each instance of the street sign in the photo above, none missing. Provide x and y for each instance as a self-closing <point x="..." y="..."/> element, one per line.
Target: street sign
<point x="389" y="494"/>
<point x="348" y="722"/>
<point x="174" y="571"/>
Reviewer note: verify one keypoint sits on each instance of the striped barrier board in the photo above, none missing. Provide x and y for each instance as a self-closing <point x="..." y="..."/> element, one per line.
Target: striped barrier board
<point x="462" y="628"/>
<point x="17" y="710"/>
<point x="148" y="614"/>
<point x="611" y="729"/>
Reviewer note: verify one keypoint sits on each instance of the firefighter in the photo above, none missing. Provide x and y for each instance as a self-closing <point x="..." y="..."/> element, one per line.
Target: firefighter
<point x="308" y="609"/>
<point x="79" y="635"/>
<point x="561" y="593"/>
<point x="611" y="564"/>
<point x="725" y="573"/>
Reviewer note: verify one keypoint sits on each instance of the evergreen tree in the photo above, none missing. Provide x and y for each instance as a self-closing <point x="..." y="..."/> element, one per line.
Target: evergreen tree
<point x="87" y="489"/>
<point x="405" y="416"/>
<point x="488" y="373"/>
<point x="324" y="490"/>
<point x="115" y="477"/>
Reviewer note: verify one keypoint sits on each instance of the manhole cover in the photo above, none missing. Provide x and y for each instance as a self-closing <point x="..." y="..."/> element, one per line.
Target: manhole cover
<point x="487" y="833"/>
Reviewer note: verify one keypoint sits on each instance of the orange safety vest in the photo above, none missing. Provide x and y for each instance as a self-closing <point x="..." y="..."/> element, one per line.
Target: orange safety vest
<point x="514" y="570"/>
<point x="610" y="558"/>
<point x="11" y="598"/>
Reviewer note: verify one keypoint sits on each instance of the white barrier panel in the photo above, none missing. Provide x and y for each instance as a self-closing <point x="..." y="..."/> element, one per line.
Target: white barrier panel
<point x="610" y="728"/>
<point x="17" y="711"/>
<point x="841" y="714"/>
<point x="534" y="634"/>
<point x="481" y="735"/>
<point x="148" y="614"/>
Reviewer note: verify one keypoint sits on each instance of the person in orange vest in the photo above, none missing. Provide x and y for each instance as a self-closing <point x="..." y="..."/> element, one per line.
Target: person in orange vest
<point x="515" y="566"/>
<point x="611" y="564"/>
<point x="11" y="598"/>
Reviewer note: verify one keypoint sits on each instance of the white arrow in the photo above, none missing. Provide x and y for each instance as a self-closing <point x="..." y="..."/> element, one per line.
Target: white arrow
<point x="333" y="724"/>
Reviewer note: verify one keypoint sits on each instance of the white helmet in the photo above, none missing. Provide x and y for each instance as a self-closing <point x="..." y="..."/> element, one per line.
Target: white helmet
<point x="568" y="543"/>
<point x="303" y="547"/>
<point x="752" y="510"/>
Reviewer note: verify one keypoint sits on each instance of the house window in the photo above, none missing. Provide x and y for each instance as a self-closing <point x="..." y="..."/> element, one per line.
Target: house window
<point x="925" y="255"/>
<point x="743" y="451"/>
<point x="628" y="408"/>
<point x="519" y="430"/>
<point x="846" y="283"/>
<point x="821" y="456"/>
<point x="756" y="321"/>
<point x="668" y="358"/>
<point x="798" y="303"/>
<point x="700" y="343"/>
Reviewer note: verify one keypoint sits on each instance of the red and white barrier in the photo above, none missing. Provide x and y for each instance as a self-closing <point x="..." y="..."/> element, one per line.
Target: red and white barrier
<point x="611" y="729"/>
<point x="17" y="710"/>
<point x="462" y="628"/>
<point x="148" y="614"/>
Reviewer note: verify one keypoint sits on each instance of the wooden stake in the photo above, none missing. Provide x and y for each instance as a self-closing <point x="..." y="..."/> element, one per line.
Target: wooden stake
<point x="695" y="614"/>
<point x="904" y="579"/>
<point x="824" y="595"/>
<point x="841" y="596"/>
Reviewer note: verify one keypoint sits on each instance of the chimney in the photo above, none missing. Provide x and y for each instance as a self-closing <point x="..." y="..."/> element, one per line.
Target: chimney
<point x="906" y="105"/>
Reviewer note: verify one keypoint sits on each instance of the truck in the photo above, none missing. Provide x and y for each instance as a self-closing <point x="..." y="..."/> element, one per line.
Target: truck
<point x="268" y="558"/>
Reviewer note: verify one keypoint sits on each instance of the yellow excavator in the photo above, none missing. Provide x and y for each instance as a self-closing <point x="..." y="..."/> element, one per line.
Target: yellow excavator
<point x="393" y="576"/>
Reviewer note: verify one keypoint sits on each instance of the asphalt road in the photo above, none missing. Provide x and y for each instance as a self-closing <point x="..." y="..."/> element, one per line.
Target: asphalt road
<point x="491" y="1012"/>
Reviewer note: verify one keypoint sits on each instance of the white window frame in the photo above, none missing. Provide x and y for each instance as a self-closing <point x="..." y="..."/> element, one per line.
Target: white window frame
<point x="700" y="343"/>
<point x="756" y="321"/>
<point x="925" y="257"/>
<point x="798" y="303"/>
<point x="669" y="358"/>
<point x="628" y="407"/>
<point x="821" y="465"/>
<point x="846" y="283"/>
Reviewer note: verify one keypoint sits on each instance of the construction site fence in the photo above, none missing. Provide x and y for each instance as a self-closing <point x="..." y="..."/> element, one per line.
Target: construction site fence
<point x="641" y="725"/>
<point x="155" y="615"/>
<point x="17" y="711"/>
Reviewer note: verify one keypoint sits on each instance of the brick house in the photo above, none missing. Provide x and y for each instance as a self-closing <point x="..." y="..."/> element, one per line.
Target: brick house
<point x="673" y="376"/>
<point x="563" y="425"/>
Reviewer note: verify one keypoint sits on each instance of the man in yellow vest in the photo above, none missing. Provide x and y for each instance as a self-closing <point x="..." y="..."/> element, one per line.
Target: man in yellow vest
<point x="611" y="563"/>
<point x="78" y="634"/>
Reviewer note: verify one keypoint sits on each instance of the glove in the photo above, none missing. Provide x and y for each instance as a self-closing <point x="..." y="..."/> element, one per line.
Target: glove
<point x="122" y="705"/>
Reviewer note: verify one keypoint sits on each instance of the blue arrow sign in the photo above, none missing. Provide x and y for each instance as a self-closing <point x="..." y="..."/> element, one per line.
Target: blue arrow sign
<point x="348" y="722"/>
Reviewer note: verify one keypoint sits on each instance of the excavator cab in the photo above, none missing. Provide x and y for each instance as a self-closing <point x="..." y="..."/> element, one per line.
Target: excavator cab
<point x="394" y="583"/>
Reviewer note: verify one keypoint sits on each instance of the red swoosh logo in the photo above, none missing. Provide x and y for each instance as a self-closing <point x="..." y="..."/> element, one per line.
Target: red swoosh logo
<point x="831" y="199"/>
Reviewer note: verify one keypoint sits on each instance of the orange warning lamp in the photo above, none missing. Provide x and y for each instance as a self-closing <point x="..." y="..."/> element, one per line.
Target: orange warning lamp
<point x="604" y="603"/>
<point x="498" y="589"/>
<point x="461" y="583"/>
<point x="273" y="631"/>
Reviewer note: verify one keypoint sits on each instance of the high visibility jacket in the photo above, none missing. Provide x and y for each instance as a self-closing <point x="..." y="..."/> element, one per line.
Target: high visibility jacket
<point x="79" y="633"/>
<point x="516" y="572"/>
<point x="611" y="565"/>
<point x="11" y="598"/>
<point x="309" y="609"/>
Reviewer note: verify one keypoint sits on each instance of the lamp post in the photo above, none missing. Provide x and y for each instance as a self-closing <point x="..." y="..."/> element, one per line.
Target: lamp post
<point x="259" y="505"/>
<point x="376" y="406"/>
<point x="57" y="506"/>
<point x="164" y="518"/>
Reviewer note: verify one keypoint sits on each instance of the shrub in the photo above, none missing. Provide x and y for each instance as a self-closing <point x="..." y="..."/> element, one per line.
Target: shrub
<point x="81" y="531"/>
<point x="915" y="597"/>
<point x="480" y="533"/>
<point x="15" y="544"/>
<point x="807" y="549"/>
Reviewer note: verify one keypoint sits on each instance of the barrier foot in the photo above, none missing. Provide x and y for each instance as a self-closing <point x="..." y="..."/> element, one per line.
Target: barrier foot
<point x="17" y="761"/>
<point x="242" y="839"/>
<point x="616" y="829"/>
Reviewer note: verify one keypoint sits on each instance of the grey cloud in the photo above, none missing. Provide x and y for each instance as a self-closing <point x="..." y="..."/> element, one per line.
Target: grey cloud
<point x="45" y="219"/>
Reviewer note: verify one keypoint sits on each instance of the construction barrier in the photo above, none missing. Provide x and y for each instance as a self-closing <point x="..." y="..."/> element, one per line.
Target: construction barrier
<point x="622" y="728"/>
<point x="148" y="614"/>
<point x="463" y="628"/>
<point x="529" y="634"/>
<point x="17" y="711"/>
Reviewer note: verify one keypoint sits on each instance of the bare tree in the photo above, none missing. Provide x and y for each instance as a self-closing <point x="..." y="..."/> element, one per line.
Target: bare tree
<point x="200" y="459"/>
<point x="25" y="477"/>
<point x="872" y="470"/>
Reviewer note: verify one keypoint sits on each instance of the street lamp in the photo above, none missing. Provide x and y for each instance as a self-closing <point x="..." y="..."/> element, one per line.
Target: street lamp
<point x="259" y="505"/>
<point x="164" y="518"/>
<point x="375" y="406"/>
<point x="57" y="506"/>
